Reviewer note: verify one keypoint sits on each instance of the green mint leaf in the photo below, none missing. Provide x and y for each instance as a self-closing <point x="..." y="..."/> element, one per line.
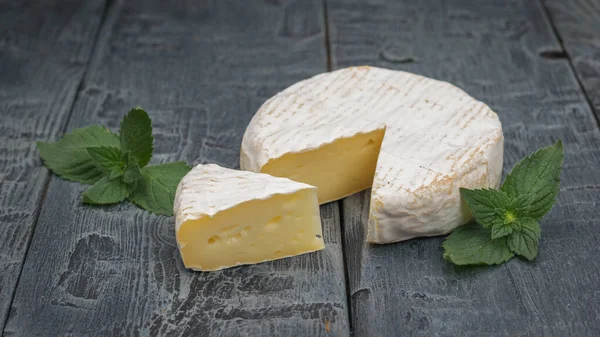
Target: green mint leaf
<point x="486" y="205"/>
<point x="501" y="229"/>
<point x="69" y="158"/>
<point x="136" y="135"/>
<point x="538" y="175"/>
<point x="106" y="191"/>
<point x="472" y="245"/>
<point x="115" y="173"/>
<point x="521" y="205"/>
<point x="132" y="168"/>
<point x="107" y="158"/>
<point x="132" y="174"/>
<point x="155" y="190"/>
<point x="524" y="240"/>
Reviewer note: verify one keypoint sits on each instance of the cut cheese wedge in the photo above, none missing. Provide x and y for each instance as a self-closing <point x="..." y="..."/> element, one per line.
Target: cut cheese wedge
<point x="226" y="218"/>
<point x="415" y="140"/>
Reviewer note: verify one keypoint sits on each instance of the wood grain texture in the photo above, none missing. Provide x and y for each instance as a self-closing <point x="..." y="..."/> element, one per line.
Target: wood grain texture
<point x="492" y="50"/>
<point x="578" y="25"/>
<point x="201" y="70"/>
<point x="44" y="49"/>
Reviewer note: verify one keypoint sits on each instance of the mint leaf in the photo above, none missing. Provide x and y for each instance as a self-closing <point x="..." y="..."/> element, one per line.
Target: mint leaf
<point x="132" y="168"/>
<point x="538" y="175"/>
<point x="524" y="240"/>
<point x="136" y="135"/>
<point x="473" y="245"/>
<point x="132" y="174"/>
<point x="115" y="173"/>
<point x="106" y="191"/>
<point x="486" y="204"/>
<point x="155" y="190"/>
<point x="69" y="158"/>
<point x="493" y="209"/>
<point x="518" y="208"/>
<point x="501" y="229"/>
<point x="521" y="205"/>
<point x="107" y="158"/>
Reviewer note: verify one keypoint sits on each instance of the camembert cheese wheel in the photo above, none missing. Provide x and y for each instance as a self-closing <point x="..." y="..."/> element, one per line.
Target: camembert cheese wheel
<point x="413" y="139"/>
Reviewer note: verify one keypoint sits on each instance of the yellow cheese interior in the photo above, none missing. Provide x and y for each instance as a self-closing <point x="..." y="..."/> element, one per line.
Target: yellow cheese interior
<point x="337" y="169"/>
<point x="255" y="231"/>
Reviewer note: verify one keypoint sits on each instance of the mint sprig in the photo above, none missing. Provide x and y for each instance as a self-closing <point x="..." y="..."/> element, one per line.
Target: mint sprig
<point x="508" y="218"/>
<point x="116" y="164"/>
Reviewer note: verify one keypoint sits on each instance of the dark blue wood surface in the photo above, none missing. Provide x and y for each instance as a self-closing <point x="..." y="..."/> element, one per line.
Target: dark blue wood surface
<point x="201" y="69"/>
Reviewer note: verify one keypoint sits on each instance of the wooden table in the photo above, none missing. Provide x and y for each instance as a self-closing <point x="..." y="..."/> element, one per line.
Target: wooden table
<point x="201" y="69"/>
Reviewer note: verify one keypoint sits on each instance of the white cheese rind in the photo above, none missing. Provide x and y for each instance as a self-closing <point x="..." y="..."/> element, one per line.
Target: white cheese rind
<point x="209" y="189"/>
<point x="437" y="139"/>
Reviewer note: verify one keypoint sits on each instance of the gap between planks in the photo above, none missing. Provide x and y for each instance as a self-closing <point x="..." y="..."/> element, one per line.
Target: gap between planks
<point x="327" y="41"/>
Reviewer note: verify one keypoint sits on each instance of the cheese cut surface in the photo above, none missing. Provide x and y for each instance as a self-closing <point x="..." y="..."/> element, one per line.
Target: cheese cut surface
<point x="226" y="218"/>
<point x="343" y="167"/>
<point x="429" y="138"/>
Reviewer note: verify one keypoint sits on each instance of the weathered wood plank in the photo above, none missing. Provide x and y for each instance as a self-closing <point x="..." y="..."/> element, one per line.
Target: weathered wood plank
<point x="492" y="50"/>
<point x="44" y="49"/>
<point x="578" y="25"/>
<point x="201" y="70"/>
